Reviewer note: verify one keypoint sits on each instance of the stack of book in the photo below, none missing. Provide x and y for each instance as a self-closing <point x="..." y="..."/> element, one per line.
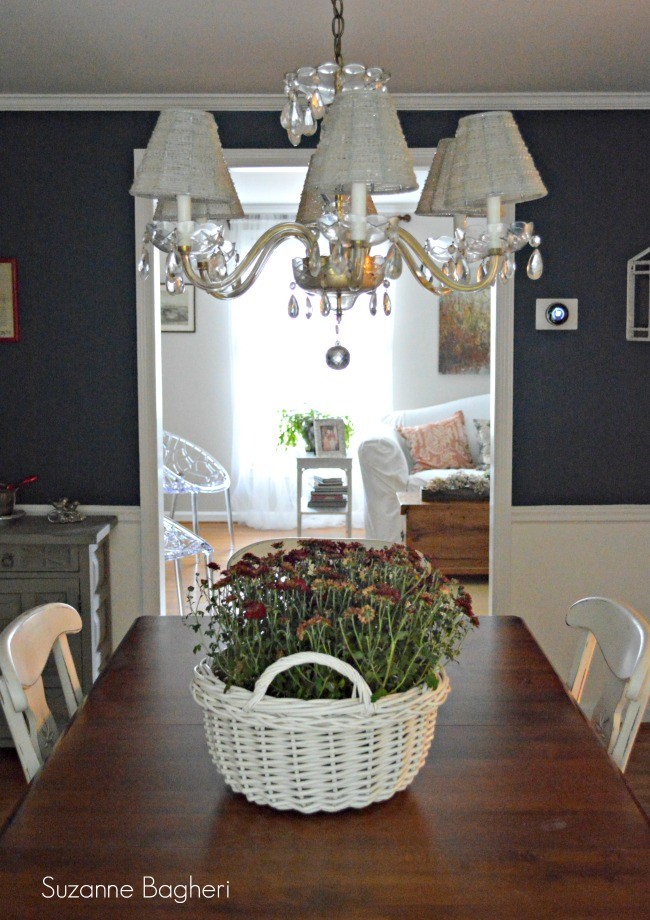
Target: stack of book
<point x="328" y="494"/>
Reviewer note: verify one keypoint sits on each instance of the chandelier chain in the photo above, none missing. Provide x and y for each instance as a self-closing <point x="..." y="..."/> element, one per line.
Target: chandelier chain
<point x="338" y="26"/>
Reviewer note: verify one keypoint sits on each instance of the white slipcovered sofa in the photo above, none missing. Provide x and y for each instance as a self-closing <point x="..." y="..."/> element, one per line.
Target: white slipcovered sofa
<point x="387" y="467"/>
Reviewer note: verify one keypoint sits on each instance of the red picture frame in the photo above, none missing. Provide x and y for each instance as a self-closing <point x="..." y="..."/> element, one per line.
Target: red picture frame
<point x="9" y="325"/>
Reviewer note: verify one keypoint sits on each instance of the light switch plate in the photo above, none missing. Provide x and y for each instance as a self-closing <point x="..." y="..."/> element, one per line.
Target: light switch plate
<point x="543" y="307"/>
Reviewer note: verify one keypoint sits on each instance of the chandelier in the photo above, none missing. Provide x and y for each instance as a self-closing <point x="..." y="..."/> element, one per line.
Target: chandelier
<point x="349" y="249"/>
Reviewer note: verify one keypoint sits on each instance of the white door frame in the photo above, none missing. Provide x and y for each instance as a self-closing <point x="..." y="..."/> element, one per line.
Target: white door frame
<point x="150" y="404"/>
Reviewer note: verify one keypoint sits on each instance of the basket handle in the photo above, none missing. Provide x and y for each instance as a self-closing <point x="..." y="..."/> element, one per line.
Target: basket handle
<point x="283" y="664"/>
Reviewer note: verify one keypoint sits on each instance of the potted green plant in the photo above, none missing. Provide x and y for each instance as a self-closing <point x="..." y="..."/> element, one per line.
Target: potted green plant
<point x="296" y="424"/>
<point x="284" y="637"/>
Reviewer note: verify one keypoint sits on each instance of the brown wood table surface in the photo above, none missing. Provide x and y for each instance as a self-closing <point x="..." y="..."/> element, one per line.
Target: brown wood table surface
<point x="517" y="813"/>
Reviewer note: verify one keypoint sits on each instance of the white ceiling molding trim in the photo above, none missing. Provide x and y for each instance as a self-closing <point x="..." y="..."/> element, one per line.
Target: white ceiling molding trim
<point x="243" y="102"/>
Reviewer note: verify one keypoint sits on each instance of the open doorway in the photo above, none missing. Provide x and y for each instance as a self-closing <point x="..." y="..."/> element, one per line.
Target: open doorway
<point x="221" y="345"/>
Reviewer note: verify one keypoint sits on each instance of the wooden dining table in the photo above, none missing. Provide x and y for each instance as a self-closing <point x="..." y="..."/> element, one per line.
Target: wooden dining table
<point x="517" y="813"/>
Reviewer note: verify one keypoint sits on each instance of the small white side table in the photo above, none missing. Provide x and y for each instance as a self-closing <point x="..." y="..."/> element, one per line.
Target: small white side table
<point x="325" y="463"/>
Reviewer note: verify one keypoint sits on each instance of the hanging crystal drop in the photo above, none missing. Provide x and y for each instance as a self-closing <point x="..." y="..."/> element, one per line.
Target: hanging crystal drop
<point x="466" y="274"/>
<point x="172" y="264"/>
<point x="309" y="307"/>
<point x="535" y="241"/>
<point x="316" y="104"/>
<point x="144" y="265"/>
<point x="324" y="305"/>
<point x="310" y="126"/>
<point x="337" y="357"/>
<point x="217" y="267"/>
<point x="393" y="264"/>
<point x="387" y="304"/>
<point x="314" y="261"/>
<point x="507" y="268"/>
<point x="296" y="122"/>
<point x="535" y="265"/>
<point x="294" y="139"/>
<point x="294" y="309"/>
<point x="449" y="268"/>
<point x="481" y="272"/>
<point x="179" y="284"/>
<point x="170" y="284"/>
<point x="373" y="303"/>
<point x="285" y="116"/>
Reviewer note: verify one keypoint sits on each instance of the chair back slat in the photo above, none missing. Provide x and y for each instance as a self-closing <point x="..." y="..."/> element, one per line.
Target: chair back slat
<point x="25" y="646"/>
<point x="623" y="637"/>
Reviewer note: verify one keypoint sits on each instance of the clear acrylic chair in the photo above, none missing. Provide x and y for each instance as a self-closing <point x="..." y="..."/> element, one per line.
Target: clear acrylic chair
<point x="623" y="637"/>
<point x="188" y="469"/>
<point x="25" y="646"/>
<point x="179" y="542"/>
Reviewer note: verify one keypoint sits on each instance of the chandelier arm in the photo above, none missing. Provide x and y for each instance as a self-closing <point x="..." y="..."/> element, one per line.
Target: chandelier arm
<point x="407" y="241"/>
<point x="251" y="265"/>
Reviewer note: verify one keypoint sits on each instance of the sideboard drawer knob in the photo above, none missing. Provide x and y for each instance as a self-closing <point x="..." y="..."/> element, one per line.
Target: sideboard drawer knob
<point x="8" y="561"/>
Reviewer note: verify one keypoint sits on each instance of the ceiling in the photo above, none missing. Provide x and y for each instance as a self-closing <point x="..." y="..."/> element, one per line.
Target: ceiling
<point x="245" y="46"/>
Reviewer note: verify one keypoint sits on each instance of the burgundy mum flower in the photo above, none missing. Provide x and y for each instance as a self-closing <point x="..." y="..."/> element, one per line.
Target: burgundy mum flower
<point x="254" y="610"/>
<point x="214" y="566"/>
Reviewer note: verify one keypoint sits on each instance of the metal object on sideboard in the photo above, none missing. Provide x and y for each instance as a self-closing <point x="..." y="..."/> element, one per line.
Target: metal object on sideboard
<point x="42" y="562"/>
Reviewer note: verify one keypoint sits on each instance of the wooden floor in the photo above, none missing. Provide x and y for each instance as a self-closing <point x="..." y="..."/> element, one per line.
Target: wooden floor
<point x="12" y="783"/>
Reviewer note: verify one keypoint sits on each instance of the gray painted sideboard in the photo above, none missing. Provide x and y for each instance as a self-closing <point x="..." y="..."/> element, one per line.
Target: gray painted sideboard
<point x="40" y="562"/>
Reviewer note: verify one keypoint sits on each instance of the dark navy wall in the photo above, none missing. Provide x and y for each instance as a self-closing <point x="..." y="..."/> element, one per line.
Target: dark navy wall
<point x="68" y="390"/>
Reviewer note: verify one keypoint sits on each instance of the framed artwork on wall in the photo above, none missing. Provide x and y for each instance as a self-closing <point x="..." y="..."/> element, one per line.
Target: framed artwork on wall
<point x="329" y="437"/>
<point x="9" y="327"/>
<point x="464" y="345"/>
<point x="177" y="310"/>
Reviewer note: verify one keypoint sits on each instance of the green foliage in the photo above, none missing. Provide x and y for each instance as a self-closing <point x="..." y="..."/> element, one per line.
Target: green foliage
<point x="295" y="425"/>
<point x="387" y="612"/>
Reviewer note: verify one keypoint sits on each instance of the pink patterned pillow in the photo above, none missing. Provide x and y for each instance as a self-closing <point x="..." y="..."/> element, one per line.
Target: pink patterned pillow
<point x="439" y="445"/>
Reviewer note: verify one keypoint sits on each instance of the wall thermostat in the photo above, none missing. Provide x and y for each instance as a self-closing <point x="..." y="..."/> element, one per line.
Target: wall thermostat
<point x="556" y="313"/>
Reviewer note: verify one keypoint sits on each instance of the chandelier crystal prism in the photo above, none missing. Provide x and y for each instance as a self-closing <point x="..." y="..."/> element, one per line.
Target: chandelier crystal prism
<point x="350" y="249"/>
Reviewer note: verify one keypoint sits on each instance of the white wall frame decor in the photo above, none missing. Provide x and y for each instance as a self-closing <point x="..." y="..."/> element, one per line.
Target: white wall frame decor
<point x="638" y="297"/>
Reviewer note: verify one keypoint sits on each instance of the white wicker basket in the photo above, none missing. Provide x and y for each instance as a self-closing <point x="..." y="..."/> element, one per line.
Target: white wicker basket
<point x="316" y="755"/>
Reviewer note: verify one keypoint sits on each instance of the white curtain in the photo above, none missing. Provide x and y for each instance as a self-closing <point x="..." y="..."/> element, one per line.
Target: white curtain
<point x="279" y="363"/>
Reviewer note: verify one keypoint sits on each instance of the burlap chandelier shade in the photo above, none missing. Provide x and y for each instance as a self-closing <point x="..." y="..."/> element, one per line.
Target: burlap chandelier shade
<point x="491" y="158"/>
<point x="312" y="202"/>
<point x="432" y="201"/>
<point x="184" y="157"/>
<point x="362" y="141"/>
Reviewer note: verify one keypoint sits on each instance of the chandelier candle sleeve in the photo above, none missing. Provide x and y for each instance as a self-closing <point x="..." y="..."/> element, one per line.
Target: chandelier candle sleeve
<point x="358" y="211"/>
<point x="494" y="219"/>
<point x="185" y="225"/>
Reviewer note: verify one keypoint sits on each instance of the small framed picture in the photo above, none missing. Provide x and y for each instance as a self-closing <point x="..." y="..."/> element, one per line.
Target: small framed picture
<point x="9" y="328"/>
<point x="329" y="437"/>
<point x="177" y="310"/>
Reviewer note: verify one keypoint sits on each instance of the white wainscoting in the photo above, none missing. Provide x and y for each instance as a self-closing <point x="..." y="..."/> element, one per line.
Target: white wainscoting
<point x="125" y="562"/>
<point x="562" y="553"/>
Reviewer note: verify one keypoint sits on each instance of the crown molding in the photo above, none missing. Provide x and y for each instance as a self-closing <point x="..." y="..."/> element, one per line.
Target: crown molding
<point x="255" y="102"/>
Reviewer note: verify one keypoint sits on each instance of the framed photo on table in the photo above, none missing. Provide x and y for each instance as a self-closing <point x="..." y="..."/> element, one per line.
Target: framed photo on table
<point x="177" y="310"/>
<point x="9" y="328"/>
<point x="329" y="437"/>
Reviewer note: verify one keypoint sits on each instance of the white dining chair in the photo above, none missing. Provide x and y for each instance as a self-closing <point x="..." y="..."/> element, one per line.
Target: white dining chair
<point x="189" y="469"/>
<point x="623" y="637"/>
<point x="179" y="543"/>
<point x="25" y="646"/>
<point x="263" y="547"/>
